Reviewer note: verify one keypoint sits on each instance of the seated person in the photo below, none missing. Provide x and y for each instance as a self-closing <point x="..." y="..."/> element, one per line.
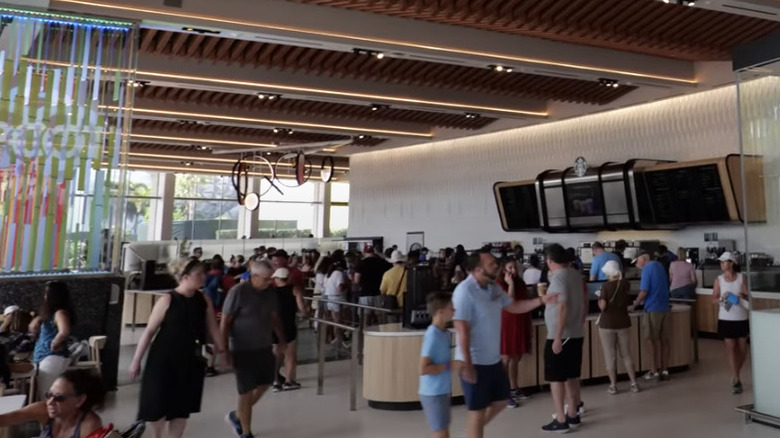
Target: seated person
<point x="68" y="411"/>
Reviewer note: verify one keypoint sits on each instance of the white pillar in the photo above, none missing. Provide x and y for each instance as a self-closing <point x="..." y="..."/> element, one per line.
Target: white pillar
<point x="162" y="210"/>
<point x="324" y="228"/>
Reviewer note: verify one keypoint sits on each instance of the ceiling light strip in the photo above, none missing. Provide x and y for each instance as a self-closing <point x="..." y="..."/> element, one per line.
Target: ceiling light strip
<point x="353" y="94"/>
<point x="201" y="140"/>
<point x="273" y="122"/>
<point x="322" y="91"/>
<point x="454" y="50"/>
<point x="204" y="159"/>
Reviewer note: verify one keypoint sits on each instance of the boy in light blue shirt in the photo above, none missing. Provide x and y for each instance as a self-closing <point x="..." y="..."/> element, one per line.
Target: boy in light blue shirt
<point x="435" y="359"/>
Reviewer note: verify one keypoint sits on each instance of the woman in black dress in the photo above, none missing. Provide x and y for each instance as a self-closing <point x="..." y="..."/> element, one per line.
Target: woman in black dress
<point x="172" y="383"/>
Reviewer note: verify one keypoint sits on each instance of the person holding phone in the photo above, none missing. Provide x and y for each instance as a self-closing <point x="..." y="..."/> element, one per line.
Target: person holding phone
<point x="733" y="326"/>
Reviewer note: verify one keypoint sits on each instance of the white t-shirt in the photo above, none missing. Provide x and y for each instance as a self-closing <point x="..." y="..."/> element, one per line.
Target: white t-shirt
<point x="532" y="275"/>
<point x="735" y="312"/>
<point x="332" y="283"/>
<point x="319" y="283"/>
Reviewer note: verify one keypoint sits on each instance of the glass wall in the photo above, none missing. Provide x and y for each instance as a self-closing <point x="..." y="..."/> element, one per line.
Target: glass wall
<point x="63" y="97"/>
<point x="292" y="213"/>
<point x="142" y="197"/>
<point x="339" y="209"/>
<point x="205" y="207"/>
<point x="759" y="107"/>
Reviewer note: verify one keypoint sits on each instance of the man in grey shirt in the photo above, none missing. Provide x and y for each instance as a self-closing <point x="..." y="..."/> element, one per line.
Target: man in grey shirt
<point x="565" y="332"/>
<point x="249" y="317"/>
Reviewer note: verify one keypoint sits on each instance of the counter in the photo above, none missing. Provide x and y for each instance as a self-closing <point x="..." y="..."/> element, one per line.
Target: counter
<point x="707" y="311"/>
<point x="391" y="358"/>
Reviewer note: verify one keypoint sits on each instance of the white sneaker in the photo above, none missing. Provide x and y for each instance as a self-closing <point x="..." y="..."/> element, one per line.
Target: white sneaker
<point x="580" y="411"/>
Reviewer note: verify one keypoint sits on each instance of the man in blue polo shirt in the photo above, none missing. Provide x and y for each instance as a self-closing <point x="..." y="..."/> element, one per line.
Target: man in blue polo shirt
<point x="478" y="304"/>
<point x="600" y="258"/>
<point x="654" y="293"/>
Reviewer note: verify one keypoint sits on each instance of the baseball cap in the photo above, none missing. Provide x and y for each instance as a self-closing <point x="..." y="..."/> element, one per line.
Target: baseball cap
<point x="611" y="268"/>
<point x="282" y="273"/>
<point x="727" y="256"/>
<point x="10" y="309"/>
<point x="639" y="254"/>
<point x="397" y="257"/>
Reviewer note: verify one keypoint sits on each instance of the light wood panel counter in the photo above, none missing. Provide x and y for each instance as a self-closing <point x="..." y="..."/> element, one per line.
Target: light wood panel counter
<point x="391" y="358"/>
<point x="707" y="311"/>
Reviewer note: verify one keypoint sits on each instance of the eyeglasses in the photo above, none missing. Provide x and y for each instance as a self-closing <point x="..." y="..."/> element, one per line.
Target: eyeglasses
<point x="57" y="398"/>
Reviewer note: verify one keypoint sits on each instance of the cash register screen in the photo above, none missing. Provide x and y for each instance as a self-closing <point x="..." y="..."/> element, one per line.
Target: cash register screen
<point x="594" y="286"/>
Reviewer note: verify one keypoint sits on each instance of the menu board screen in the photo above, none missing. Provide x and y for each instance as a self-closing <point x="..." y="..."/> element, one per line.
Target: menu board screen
<point x="584" y="199"/>
<point x="687" y="195"/>
<point x="521" y="210"/>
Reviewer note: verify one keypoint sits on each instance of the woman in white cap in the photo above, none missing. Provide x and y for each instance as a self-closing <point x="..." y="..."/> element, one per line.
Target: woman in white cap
<point x="615" y="325"/>
<point x="733" y="325"/>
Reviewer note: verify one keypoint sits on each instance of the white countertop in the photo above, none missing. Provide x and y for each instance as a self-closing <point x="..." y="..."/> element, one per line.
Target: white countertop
<point x="754" y="294"/>
<point x="397" y="330"/>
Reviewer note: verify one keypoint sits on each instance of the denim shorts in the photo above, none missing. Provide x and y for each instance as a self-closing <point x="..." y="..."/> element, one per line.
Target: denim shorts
<point x="437" y="411"/>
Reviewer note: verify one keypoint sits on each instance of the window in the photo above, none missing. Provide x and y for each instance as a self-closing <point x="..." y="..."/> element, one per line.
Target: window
<point x="205" y="208"/>
<point x="339" y="209"/>
<point x="287" y="219"/>
<point x="142" y="197"/>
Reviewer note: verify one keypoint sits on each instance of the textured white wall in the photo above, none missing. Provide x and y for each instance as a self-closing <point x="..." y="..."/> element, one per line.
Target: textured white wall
<point x="445" y="188"/>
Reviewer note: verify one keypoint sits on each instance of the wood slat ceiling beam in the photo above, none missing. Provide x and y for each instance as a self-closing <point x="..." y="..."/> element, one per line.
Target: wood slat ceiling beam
<point x="641" y="26"/>
<point x="313" y="108"/>
<point x="335" y="64"/>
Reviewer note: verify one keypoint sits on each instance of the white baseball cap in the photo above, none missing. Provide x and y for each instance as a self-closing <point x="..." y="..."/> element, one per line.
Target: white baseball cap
<point x="727" y="256"/>
<point x="10" y="309"/>
<point x="282" y="273"/>
<point x="397" y="257"/>
<point x="611" y="268"/>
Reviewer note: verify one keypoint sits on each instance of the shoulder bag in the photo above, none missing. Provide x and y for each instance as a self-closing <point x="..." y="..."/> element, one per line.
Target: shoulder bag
<point x="617" y="288"/>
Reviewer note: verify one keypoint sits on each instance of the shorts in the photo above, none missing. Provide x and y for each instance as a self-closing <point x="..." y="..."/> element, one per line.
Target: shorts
<point x="565" y="365"/>
<point x="254" y="368"/>
<point x="656" y="325"/>
<point x="290" y="333"/>
<point x="733" y="329"/>
<point x="334" y="307"/>
<point x="687" y="292"/>
<point x="437" y="411"/>
<point x="373" y="301"/>
<point x="492" y="386"/>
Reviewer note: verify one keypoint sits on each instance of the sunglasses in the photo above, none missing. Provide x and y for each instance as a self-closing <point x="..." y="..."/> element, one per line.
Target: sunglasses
<point x="57" y="398"/>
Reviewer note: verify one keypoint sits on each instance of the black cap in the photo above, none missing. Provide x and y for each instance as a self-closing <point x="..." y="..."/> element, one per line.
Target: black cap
<point x="558" y="254"/>
<point x="281" y="253"/>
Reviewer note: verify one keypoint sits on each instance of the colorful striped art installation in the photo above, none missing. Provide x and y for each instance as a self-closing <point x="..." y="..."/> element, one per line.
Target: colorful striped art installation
<point x="65" y="94"/>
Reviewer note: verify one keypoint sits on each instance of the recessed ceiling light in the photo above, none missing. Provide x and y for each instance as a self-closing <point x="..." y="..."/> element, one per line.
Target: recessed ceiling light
<point x="501" y="68"/>
<point x="268" y="96"/>
<point x="377" y="107"/>
<point x="379" y="55"/>
<point x="138" y="84"/>
<point x="472" y="115"/>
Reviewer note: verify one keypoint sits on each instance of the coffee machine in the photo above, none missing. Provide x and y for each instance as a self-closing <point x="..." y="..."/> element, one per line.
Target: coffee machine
<point x="692" y="256"/>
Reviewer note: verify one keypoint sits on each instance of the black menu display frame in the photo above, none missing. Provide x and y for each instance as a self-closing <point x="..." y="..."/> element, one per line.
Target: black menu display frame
<point x="518" y="205"/>
<point x="690" y="193"/>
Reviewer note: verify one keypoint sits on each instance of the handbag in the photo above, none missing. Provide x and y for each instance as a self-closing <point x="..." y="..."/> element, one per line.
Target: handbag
<point x="598" y="320"/>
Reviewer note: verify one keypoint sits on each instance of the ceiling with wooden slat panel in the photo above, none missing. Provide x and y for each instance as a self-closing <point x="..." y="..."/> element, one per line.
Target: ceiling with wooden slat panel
<point x="648" y="27"/>
<point x="329" y="63"/>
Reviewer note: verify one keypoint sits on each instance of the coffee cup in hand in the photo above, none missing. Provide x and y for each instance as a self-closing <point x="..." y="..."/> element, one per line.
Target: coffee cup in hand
<point x="541" y="289"/>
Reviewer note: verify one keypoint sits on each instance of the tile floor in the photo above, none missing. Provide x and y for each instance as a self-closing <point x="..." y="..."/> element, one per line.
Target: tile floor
<point x="697" y="403"/>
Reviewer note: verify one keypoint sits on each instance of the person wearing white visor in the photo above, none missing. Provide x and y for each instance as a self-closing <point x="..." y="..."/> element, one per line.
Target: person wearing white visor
<point x="615" y="324"/>
<point x="733" y="326"/>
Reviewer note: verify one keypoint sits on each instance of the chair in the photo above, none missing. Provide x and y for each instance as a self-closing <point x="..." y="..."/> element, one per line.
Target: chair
<point x="96" y="344"/>
<point x="21" y="381"/>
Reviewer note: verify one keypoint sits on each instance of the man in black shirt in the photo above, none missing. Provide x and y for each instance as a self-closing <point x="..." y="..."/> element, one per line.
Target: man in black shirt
<point x="368" y="278"/>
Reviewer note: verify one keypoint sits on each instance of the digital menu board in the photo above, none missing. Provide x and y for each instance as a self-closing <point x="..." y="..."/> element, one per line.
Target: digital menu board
<point x="517" y="206"/>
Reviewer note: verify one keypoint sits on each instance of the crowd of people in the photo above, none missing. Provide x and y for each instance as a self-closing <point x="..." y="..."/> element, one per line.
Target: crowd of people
<point x="245" y="312"/>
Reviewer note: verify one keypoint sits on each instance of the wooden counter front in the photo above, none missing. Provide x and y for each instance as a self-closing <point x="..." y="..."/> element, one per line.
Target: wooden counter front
<point x="391" y="366"/>
<point x="391" y="358"/>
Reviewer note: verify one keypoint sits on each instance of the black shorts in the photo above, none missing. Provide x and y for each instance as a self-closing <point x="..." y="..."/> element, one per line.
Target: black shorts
<point x="566" y="365"/>
<point x="254" y="368"/>
<point x="290" y="333"/>
<point x="492" y="386"/>
<point x="733" y="329"/>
